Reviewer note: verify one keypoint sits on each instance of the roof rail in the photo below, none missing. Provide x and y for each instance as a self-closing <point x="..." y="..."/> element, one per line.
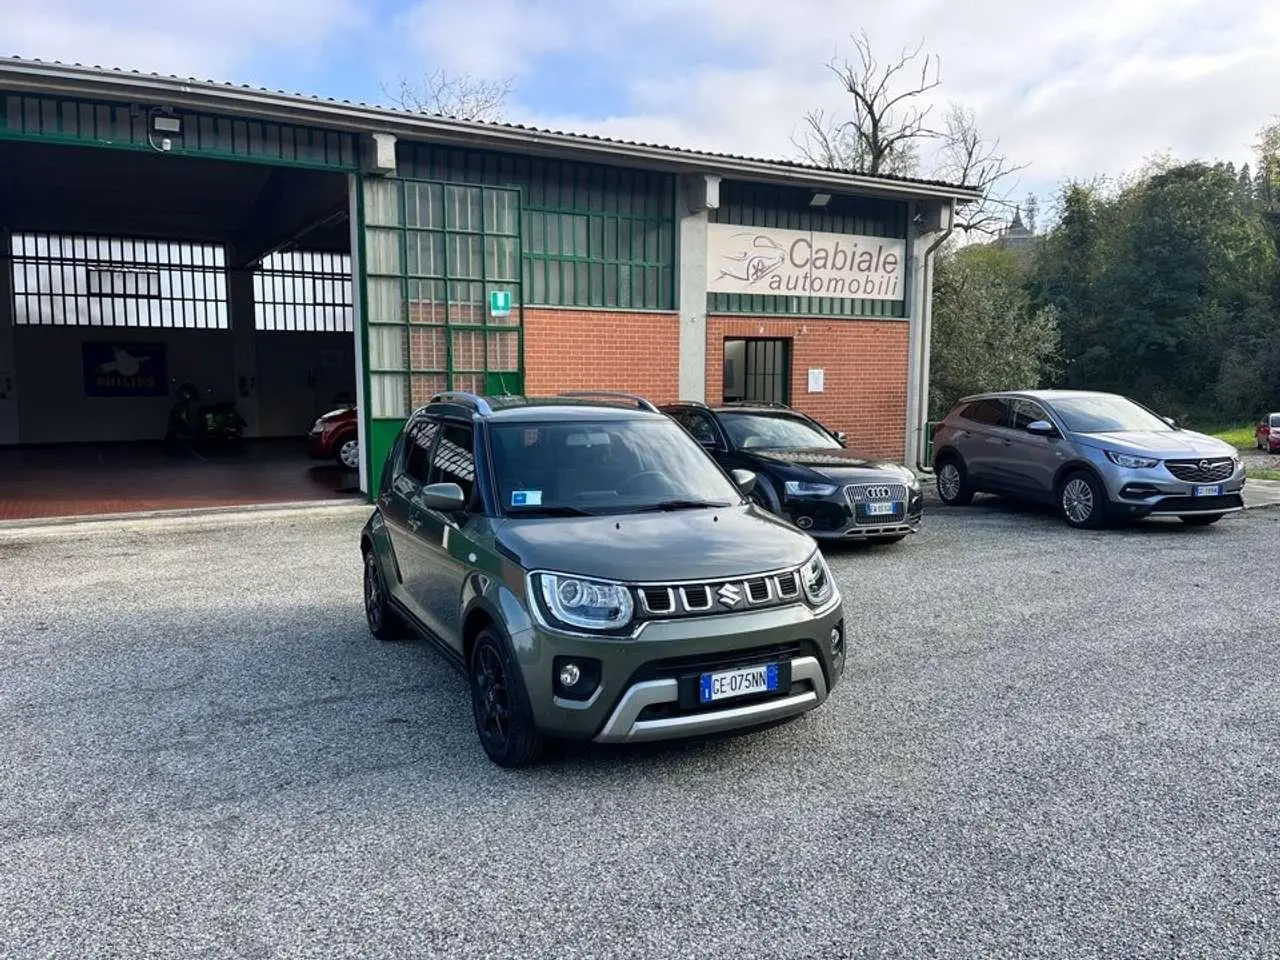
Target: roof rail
<point x="639" y="401"/>
<point x="478" y="403"/>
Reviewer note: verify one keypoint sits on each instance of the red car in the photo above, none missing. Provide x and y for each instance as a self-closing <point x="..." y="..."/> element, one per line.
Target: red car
<point x="335" y="436"/>
<point x="1268" y="434"/>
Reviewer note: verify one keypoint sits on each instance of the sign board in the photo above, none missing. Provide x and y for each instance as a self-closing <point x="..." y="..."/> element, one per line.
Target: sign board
<point x="816" y="380"/>
<point x="804" y="263"/>
<point x="499" y="303"/>
<point x="114" y="369"/>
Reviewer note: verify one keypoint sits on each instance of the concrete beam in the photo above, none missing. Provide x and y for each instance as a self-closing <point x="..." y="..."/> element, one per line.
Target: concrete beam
<point x="698" y="194"/>
<point x="289" y="206"/>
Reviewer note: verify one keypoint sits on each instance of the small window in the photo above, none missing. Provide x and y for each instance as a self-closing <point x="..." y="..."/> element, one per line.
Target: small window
<point x="987" y="412"/>
<point x="1275" y="420"/>
<point x="698" y="425"/>
<point x="1023" y="413"/>
<point x="454" y="461"/>
<point x="418" y="440"/>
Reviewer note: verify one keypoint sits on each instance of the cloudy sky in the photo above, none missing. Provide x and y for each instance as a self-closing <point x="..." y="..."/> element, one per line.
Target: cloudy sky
<point x="1071" y="87"/>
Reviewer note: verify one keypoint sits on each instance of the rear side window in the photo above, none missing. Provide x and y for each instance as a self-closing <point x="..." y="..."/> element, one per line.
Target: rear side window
<point x="419" y="437"/>
<point x="1275" y="419"/>
<point x="988" y="412"/>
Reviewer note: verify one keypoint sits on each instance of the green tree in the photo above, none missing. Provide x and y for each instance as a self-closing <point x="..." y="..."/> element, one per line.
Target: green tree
<point x="987" y="335"/>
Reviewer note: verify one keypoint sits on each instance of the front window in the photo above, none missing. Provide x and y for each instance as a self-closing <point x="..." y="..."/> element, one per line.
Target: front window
<point x="1103" y="414"/>
<point x="774" y="431"/>
<point x="603" y="467"/>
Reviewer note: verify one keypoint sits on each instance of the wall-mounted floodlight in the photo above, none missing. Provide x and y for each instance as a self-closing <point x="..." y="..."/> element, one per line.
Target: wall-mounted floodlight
<point x="819" y="199"/>
<point x="169" y="125"/>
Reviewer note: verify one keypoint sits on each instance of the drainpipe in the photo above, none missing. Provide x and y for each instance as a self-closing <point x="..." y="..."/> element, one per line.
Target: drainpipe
<point x="926" y="336"/>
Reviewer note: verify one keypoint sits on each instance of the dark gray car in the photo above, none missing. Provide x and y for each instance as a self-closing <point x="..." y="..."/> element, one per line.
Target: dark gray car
<point x="1092" y="455"/>
<point x="595" y="574"/>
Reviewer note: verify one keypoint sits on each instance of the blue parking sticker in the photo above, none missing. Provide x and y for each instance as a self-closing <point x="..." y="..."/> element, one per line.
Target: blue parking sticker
<point x="526" y="498"/>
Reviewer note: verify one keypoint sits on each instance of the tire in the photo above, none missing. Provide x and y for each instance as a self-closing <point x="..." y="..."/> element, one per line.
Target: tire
<point x="763" y="496"/>
<point x="1082" y="501"/>
<point x="384" y="623"/>
<point x="504" y="722"/>
<point x="953" y="484"/>
<point x="347" y="453"/>
<point x="1202" y="519"/>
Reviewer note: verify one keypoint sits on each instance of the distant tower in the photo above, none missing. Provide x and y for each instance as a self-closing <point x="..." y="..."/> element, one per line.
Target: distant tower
<point x="1016" y="236"/>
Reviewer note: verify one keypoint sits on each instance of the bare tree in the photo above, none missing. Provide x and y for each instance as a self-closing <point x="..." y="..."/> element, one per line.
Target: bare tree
<point x="456" y="95"/>
<point x="967" y="157"/>
<point x="888" y="119"/>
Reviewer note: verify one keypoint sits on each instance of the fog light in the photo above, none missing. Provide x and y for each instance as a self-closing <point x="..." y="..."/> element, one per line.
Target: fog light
<point x="804" y="523"/>
<point x="570" y="675"/>
<point x="837" y="642"/>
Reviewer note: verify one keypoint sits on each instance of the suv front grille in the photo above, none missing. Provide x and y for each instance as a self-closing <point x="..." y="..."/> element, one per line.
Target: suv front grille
<point x="719" y="596"/>
<point x="1201" y="471"/>
<point x="862" y="495"/>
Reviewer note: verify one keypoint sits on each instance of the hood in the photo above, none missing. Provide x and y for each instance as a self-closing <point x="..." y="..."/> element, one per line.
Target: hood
<point x="836" y="462"/>
<point x="679" y="545"/>
<point x="1165" y="445"/>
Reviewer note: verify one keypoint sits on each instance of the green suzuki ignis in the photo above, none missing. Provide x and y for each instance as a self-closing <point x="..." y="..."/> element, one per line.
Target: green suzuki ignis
<point x="595" y="574"/>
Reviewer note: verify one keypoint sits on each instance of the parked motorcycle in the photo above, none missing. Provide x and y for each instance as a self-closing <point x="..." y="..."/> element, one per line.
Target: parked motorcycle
<point x="202" y="425"/>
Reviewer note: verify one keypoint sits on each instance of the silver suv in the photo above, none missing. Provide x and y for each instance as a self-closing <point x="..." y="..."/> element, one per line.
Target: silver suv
<point x="1093" y="455"/>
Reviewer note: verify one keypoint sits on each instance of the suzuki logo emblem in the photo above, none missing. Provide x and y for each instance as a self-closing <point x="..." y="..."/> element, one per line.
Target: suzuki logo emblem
<point x="730" y="595"/>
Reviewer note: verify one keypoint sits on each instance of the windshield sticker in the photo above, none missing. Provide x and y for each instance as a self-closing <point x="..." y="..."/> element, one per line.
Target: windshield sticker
<point x="526" y="498"/>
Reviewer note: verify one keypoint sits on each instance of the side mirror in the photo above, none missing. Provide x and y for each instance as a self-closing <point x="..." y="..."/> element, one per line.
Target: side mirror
<point x="1042" y="428"/>
<point x="746" y="481"/>
<point x="445" y="497"/>
<point x="841" y="437"/>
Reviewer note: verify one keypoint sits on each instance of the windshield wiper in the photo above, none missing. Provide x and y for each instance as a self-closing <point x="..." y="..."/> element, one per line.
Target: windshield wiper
<point x="556" y="511"/>
<point x="678" y="505"/>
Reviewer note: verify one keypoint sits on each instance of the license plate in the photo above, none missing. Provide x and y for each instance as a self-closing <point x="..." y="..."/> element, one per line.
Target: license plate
<point x="738" y="683"/>
<point x="881" y="509"/>
<point x="1215" y="491"/>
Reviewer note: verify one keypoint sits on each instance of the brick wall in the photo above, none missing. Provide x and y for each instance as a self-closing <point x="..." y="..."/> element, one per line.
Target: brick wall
<point x="865" y="364"/>
<point x="602" y="350"/>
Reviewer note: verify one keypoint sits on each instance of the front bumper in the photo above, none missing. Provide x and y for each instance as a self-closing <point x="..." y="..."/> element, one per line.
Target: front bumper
<point x="320" y="445"/>
<point x="844" y="516"/>
<point x="1156" y="492"/>
<point x="647" y="686"/>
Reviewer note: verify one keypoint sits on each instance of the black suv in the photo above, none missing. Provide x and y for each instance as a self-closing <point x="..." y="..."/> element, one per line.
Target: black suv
<point x="804" y="473"/>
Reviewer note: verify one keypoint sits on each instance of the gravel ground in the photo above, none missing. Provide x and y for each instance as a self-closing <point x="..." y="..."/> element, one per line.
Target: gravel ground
<point x="1048" y="744"/>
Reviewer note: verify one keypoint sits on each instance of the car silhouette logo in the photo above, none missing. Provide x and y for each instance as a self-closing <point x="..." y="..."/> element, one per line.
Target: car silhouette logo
<point x="750" y="257"/>
<point x="730" y="595"/>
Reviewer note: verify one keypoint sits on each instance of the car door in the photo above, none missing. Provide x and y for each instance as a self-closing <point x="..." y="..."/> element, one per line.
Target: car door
<point x="445" y="541"/>
<point x="402" y="510"/>
<point x="978" y="437"/>
<point x="1028" y="462"/>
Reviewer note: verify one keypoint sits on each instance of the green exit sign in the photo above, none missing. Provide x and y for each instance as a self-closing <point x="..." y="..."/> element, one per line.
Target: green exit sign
<point x="499" y="303"/>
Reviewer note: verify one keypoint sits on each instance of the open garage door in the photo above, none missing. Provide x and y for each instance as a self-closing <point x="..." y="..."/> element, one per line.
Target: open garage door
<point x="143" y="290"/>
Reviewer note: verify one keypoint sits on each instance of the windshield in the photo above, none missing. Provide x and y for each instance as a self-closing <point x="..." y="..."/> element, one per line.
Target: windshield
<point x="776" y="431"/>
<point x="1107" y="415"/>
<point x="610" y="466"/>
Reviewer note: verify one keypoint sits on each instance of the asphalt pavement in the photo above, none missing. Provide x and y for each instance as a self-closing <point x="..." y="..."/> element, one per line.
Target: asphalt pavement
<point x="1049" y="743"/>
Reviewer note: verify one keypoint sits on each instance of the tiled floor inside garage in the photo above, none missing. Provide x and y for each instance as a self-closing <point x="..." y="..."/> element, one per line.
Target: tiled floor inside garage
<point x="90" y="479"/>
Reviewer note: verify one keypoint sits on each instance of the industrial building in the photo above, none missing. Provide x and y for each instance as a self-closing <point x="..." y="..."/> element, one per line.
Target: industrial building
<point x="288" y="253"/>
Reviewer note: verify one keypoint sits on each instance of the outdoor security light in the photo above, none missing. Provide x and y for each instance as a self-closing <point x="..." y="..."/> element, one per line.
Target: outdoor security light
<point x="820" y="200"/>
<point x="164" y="124"/>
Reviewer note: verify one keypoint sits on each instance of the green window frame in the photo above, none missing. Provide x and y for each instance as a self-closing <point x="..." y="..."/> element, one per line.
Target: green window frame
<point x="595" y="236"/>
<point x="434" y="252"/>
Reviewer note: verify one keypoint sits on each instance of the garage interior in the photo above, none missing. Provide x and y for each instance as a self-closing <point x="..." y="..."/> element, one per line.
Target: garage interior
<point x="129" y="273"/>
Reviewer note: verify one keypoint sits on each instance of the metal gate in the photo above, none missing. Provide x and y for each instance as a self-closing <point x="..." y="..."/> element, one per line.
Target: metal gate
<point x="767" y="371"/>
<point x="442" y="300"/>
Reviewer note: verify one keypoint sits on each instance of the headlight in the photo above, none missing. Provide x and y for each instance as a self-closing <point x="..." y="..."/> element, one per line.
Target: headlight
<point x="589" y="604"/>
<point x="318" y="426"/>
<point x="1130" y="461"/>
<point x="816" y="579"/>
<point x="803" y="488"/>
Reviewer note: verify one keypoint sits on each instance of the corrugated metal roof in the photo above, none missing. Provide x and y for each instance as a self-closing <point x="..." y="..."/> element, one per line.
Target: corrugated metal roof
<point x="163" y="83"/>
